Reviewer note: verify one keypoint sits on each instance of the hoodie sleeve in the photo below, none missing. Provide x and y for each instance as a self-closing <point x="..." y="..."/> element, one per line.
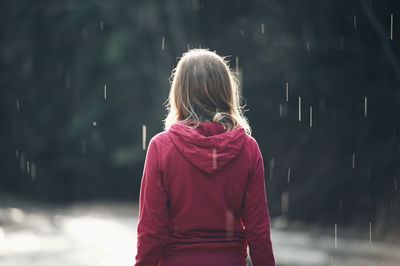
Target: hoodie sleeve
<point x="152" y="224"/>
<point x="256" y="218"/>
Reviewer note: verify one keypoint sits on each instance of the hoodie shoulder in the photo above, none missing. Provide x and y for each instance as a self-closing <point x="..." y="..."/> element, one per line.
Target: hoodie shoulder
<point x="160" y="138"/>
<point x="251" y="142"/>
<point x="253" y="149"/>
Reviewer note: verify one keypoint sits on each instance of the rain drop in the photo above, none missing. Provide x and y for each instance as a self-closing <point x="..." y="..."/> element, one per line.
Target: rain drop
<point x="214" y="156"/>
<point x="391" y="26"/>
<point x="94" y="123"/>
<point x="17" y="104"/>
<point x="105" y="91"/>
<point x="280" y="110"/>
<point x="370" y="232"/>
<point x="144" y="133"/>
<point x="242" y="32"/>
<point x="262" y="28"/>
<point x="355" y="21"/>
<point x="288" y="175"/>
<point x="163" y="43"/>
<point x="299" y="108"/>
<point x="287" y="91"/>
<point x="335" y="235"/>
<point x="395" y="184"/>
<point x="310" y="116"/>
<point x="354" y="159"/>
<point x="365" y="106"/>
<point x="101" y="25"/>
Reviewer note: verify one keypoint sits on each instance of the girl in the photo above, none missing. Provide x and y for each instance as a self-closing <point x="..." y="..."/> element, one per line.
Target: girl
<point x="202" y="197"/>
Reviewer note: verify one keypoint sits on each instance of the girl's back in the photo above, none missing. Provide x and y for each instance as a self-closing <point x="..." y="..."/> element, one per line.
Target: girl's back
<point x="203" y="197"/>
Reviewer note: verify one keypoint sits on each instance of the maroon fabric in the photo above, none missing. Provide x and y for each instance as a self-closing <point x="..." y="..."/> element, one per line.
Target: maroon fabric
<point x="203" y="199"/>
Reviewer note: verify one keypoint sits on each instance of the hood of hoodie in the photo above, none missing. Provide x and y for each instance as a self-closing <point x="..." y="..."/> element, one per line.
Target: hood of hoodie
<point x="209" y="147"/>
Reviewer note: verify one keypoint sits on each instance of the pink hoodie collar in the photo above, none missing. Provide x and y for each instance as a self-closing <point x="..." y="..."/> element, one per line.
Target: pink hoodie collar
<point x="209" y="146"/>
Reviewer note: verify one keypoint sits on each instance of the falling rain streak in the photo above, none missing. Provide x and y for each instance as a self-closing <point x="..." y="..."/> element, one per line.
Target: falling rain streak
<point x="287" y="91"/>
<point x="163" y="43"/>
<point x="27" y="166"/>
<point x="391" y="26"/>
<point x="370" y="233"/>
<point x="299" y="108"/>
<point x="214" y="156"/>
<point x="144" y="133"/>
<point x="331" y="50"/>
<point x="355" y="21"/>
<point x="335" y="235"/>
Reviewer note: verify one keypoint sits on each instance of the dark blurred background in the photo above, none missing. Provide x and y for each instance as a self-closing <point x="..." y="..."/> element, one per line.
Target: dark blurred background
<point x="79" y="79"/>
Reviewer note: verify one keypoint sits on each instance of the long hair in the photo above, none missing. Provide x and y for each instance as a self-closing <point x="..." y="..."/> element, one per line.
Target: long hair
<point x="203" y="88"/>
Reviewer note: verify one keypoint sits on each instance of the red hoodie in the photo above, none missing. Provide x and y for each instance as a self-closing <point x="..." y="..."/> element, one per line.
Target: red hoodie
<point x="203" y="199"/>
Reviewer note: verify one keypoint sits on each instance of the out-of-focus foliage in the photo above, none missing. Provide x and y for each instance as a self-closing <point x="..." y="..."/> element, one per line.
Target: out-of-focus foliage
<point x="59" y="57"/>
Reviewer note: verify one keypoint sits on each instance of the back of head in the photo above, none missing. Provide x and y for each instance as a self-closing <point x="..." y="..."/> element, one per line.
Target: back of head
<point x="204" y="88"/>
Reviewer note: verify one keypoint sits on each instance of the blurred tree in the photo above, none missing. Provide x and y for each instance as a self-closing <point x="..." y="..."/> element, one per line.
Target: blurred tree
<point x="80" y="78"/>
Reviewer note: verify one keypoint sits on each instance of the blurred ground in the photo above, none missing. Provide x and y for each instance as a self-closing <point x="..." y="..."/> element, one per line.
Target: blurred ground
<point x="104" y="233"/>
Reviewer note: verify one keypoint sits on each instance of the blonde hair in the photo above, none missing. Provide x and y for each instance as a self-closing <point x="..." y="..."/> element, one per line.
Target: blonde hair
<point x="204" y="87"/>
